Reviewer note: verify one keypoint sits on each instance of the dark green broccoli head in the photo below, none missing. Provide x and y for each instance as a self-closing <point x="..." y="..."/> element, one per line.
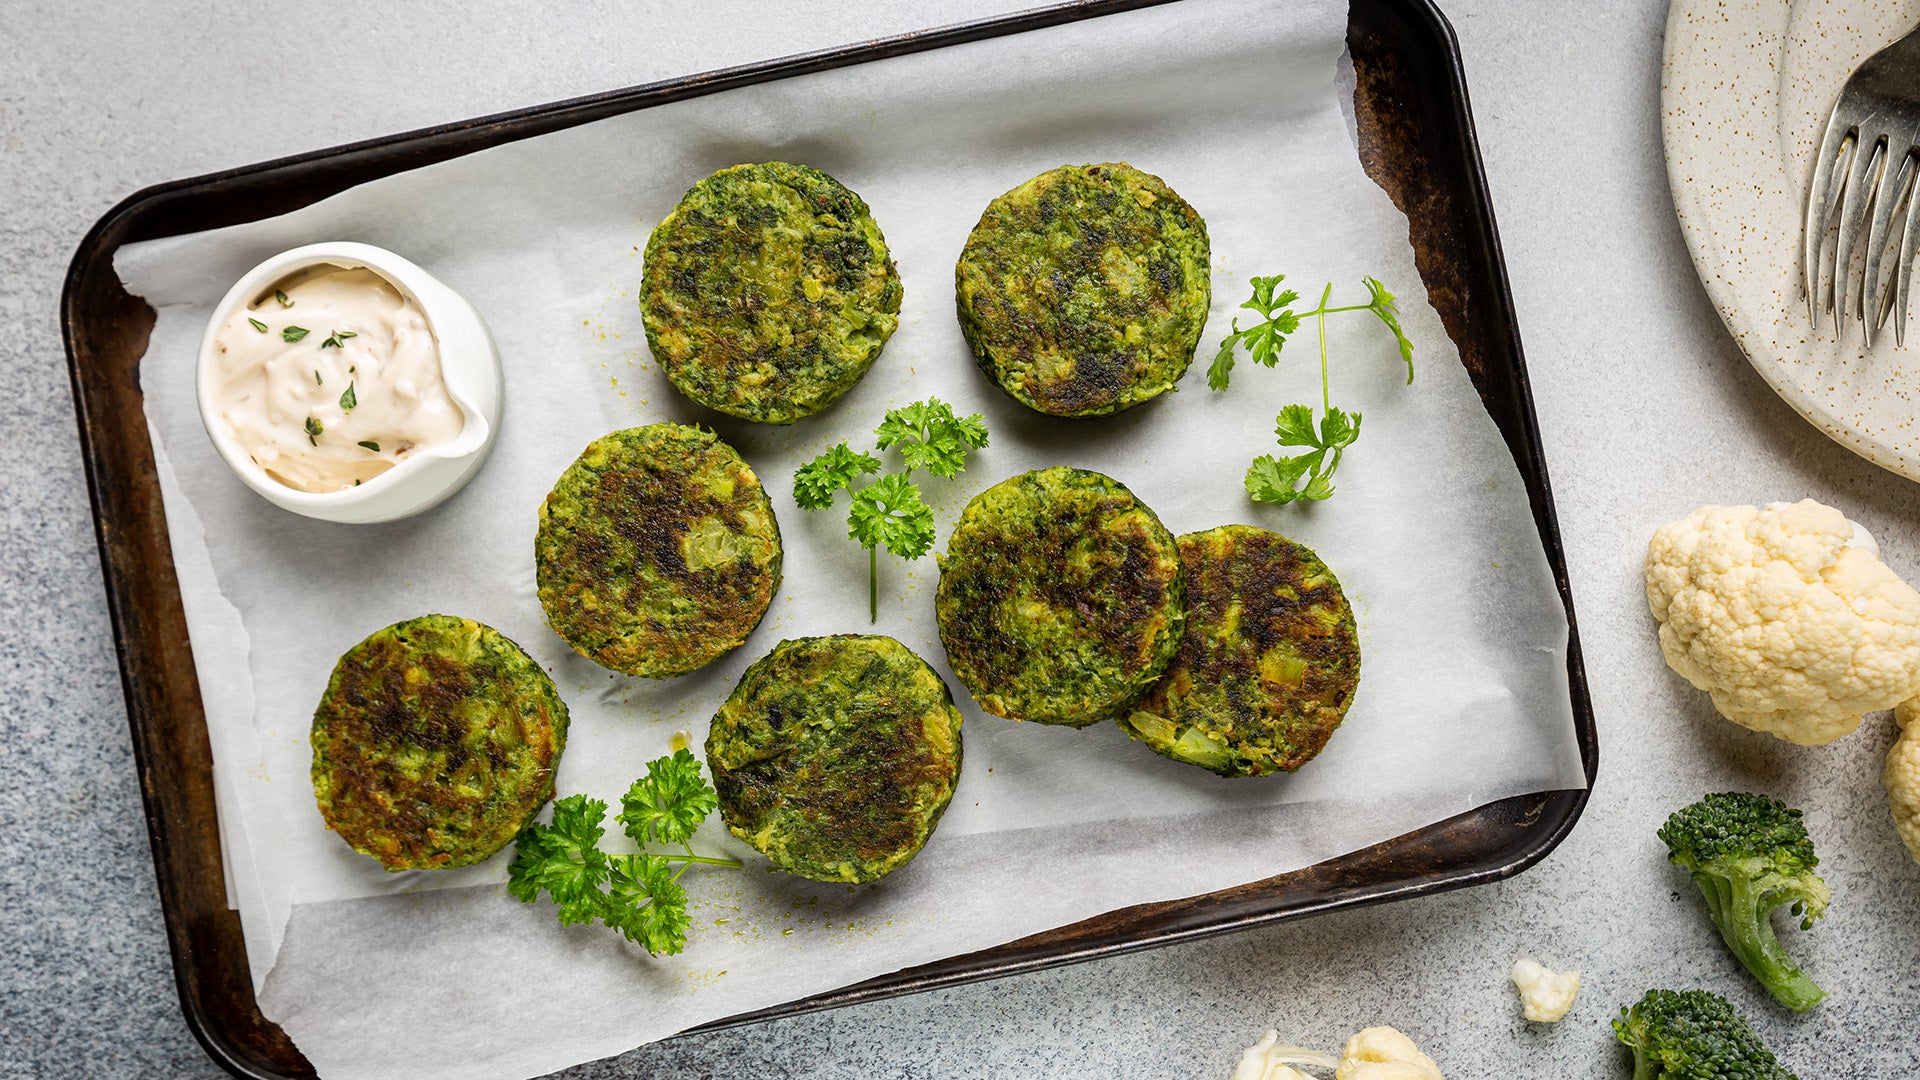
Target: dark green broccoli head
<point x="1735" y="826"/>
<point x="1694" y="1035"/>
<point x="1750" y="854"/>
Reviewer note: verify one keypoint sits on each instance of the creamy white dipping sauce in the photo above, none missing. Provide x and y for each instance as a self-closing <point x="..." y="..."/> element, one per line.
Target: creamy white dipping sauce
<point x="330" y="378"/>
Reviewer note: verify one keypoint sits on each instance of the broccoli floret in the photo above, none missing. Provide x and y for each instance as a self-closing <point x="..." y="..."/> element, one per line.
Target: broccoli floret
<point x="1693" y="1035"/>
<point x="1750" y="854"/>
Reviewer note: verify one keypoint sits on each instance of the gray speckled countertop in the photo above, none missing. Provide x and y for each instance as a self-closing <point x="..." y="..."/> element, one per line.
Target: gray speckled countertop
<point x="1646" y="406"/>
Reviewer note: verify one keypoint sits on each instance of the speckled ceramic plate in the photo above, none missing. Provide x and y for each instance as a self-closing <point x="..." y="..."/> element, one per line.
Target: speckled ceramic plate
<point x="1746" y="92"/>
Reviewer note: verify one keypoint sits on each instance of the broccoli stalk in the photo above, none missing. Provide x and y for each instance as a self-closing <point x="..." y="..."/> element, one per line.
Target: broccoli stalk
<point x="1683" y="1034"/>
<point x="1750" y="854"/>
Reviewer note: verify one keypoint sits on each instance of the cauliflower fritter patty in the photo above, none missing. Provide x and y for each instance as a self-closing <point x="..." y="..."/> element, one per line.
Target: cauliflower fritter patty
<point x="836" y="756"/>
<point x="1084" y="290"/>
<point x="657" y="551"/>
<point x="1060" y="598"/>
<point x="768" y="292"/>
<point x="1269" y="662"/>
<point x="435" y="742"/>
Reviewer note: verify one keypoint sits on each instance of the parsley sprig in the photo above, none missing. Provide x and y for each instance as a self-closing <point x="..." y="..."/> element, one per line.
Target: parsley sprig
<point x="1308" y="474"/>
<point x="930" y="437"/>
<point x="817" y="480"/>
<point x="637" y="894"/>
<point x="889" y="512"/>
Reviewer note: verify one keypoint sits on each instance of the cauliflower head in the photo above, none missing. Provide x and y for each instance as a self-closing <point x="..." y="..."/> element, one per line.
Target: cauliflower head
<point x="1545" y="995"/>
<point x="1902" y="776"/>
<point x="1785" y="616"/>
<point x="1383" y="1053"/>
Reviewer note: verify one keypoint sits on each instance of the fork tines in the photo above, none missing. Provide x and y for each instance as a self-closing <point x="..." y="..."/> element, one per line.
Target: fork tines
<point x="1862" y="190"/>
<point x="1861" y="177"/>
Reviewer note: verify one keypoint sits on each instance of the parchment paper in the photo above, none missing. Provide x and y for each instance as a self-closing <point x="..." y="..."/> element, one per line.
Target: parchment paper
<point x="1233" y="102"/>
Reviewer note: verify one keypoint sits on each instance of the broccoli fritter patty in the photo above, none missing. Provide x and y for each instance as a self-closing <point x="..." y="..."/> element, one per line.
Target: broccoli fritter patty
<point x="1269" y="662"/>
<point x="768" y="292"/>
<point x="658" y="551"/>
<point x="1060" y="597"/>
<point x="1084" y="290"/>
<point x="435" y="742"/>
<point x="836" y="756"/>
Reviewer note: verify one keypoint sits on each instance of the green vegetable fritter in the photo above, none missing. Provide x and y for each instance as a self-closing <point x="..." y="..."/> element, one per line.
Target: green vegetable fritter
<point x="436" y="741"/>
<point x="1268" y="664"/>
<point x="836" y="756"/>
<point x="1061" y="597"/>
<point x="658" y="551"/>
<point x="1084" y="290"/>
<point x="768" y="292"/>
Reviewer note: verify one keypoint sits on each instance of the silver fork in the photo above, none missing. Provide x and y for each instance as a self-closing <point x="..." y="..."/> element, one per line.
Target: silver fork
<point x="1865" y="173"/>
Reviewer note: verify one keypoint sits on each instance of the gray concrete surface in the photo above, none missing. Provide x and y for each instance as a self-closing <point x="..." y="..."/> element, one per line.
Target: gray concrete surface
<point x="1647" y="408"/>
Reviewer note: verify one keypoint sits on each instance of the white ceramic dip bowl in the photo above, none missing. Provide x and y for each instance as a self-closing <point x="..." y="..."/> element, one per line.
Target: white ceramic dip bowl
<point x="469" y="370"/>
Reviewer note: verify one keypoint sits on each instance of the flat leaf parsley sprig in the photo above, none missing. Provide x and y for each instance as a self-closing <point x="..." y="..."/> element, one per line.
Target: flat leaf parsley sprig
<point x="889" y="511"/>
<point x="639" y="894"/>
<point x="1308" y="474"/>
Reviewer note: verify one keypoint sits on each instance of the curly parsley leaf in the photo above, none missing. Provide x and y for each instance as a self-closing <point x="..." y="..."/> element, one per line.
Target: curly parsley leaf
<point x="817" y="480"/>
<point x="564" y="860"/>
<point x="890" y="512"/>
<point x="931" y="437"/>
<point x="637" y="894"/>
<point x="669" y="803"/>
<point x="646" y="904"/>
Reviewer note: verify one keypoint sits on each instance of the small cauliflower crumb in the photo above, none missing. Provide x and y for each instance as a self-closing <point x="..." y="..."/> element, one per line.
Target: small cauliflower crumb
<point x="681" y="740"/>
<point x="1382" y="1053"/>
<point x="1545" y="995"/>
<point x="1267" y="1060"/>
<point x="1785" y="616"/>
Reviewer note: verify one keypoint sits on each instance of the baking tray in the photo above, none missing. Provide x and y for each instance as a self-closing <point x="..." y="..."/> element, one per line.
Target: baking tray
<point x="1416" y="141"/>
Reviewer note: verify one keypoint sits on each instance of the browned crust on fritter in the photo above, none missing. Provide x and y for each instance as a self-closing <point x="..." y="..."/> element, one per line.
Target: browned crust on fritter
<point x="423" y="759"/>
<point x="612" y="554"/>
